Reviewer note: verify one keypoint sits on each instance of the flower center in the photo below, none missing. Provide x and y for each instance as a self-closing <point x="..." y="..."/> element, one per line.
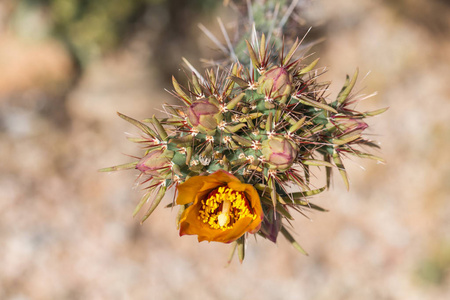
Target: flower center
<point x="223" y="208"/>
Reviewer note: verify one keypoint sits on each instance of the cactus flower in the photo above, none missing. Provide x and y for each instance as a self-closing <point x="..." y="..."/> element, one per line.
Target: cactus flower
<point x="276" y="82"/>
<point x="155" y="163"/>
<point x="204" y="115"/>
<point x="223" y="208"/>
<point x="279" y="152"/>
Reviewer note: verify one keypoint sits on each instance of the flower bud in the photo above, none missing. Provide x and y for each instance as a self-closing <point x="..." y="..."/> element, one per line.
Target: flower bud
<point x="271" y="225"/>
<point x="156" y="162"/>
<point x="354" y="126"/>
<point x="279" y="152"/>
<point x="276" y="82"/>
<point x="204" y="115"/>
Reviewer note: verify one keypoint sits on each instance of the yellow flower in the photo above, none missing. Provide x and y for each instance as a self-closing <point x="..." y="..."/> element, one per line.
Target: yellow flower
<point x="222" y="210"/>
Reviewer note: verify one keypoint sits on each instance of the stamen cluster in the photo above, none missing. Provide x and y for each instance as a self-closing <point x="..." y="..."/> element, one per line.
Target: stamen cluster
<point x="223" y="208"/>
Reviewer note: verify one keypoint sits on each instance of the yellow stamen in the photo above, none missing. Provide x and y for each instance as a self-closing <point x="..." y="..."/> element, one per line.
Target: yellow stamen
<point x="223" y="208"/>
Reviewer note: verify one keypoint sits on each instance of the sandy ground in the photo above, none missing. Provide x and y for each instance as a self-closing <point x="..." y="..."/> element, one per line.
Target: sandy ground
<point x="66" y="231"/>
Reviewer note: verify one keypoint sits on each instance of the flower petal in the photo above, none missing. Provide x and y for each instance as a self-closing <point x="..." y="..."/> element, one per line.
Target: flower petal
<point x="191" y="225"/>
<point x="189" y="189"/>
<point x="238" y="186"/>
<point x="254" y="200"/>
<point x="223" y="176"/>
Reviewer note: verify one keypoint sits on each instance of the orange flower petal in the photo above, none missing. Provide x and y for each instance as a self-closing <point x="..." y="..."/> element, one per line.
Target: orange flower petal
<point x="210" y="184"/>
<point x="255" y="202"/>
<point x="189" y="189"/>
<point x="191" y="225"/>
<point x="223" y="176"/>
<point x="238" y="186"/>
<point x="239" y="229"/>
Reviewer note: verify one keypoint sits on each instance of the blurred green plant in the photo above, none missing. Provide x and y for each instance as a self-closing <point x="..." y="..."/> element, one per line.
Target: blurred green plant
<point x="90" y="28"/>
<point x="435" y="268"/>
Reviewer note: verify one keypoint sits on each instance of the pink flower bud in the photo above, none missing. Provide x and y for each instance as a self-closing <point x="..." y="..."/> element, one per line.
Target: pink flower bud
<point x="354" y="126"/>
<point x="279" y="152"/>
<point x="276" y="82"/>
<point x="204" y="115"/>
<point x="155" y="163"/>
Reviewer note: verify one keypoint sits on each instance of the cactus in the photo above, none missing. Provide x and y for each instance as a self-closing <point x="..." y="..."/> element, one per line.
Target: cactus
<point x="247" y="132"/>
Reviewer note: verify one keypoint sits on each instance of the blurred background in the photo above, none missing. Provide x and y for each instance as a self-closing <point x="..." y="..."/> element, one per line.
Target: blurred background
<point x="66" y="230"/>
